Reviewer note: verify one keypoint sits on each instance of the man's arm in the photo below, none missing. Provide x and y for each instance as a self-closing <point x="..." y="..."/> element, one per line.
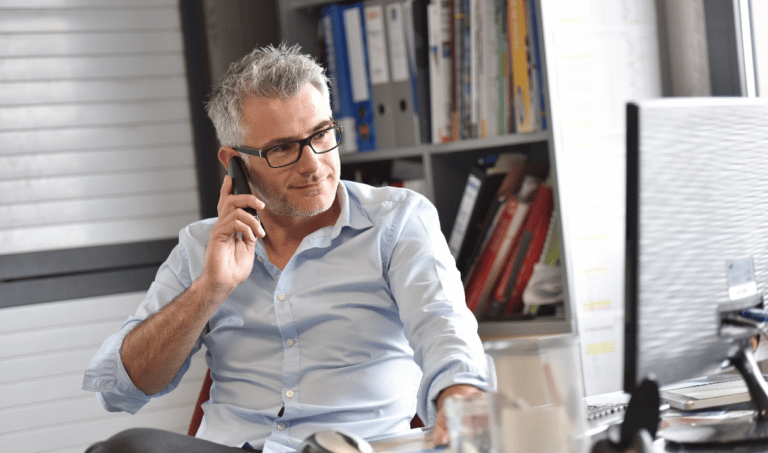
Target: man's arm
<point x="441" y="329"/>
<point x="155" y="350"/>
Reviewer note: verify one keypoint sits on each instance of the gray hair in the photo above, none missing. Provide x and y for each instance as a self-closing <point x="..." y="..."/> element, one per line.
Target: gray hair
<point x="267" y="72"/>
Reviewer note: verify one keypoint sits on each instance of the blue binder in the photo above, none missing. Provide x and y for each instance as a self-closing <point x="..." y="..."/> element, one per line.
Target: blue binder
<point x="351" y="101"/>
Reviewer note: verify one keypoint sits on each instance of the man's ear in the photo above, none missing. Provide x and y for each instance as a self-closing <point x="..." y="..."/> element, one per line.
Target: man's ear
<point x="226" y="153"/>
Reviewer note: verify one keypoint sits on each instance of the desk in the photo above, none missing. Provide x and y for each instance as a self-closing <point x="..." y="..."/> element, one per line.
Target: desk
<point x="674" y="418"/>
<point x="416" y="440"/>
<point x="420" y="440"/>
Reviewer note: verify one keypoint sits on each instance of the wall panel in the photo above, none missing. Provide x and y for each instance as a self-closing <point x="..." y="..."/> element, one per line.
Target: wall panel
<point x="44" y="349"/>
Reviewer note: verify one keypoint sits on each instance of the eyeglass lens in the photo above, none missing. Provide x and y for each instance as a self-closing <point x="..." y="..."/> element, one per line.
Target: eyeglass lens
<point x="289" y="152"/>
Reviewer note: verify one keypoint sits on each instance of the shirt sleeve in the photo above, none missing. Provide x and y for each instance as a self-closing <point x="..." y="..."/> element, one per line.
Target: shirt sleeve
<point x="430" y="296"/>
<point x="106" y="374"/>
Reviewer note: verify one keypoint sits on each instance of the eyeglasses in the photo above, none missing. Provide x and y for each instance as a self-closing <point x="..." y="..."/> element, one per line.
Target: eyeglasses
<point x="289" y="153"/>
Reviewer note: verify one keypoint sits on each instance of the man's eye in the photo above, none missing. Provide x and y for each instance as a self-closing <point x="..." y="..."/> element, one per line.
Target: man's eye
<point x="285" y="147"/>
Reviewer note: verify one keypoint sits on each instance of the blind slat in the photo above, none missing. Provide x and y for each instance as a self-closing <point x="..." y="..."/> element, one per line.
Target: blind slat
<point x="94" y="138"/>
<point x="46" y="44"/>
<point x="145" y="158"/>
<point x="79" y="91"/>
<point x="55" y="116"/>
<point x="81" y="235"/>
<point x="47" y="21"/>
<point x="58" y="68"/>
<point x="95" y="185"/>
<point x="100" y="209"/>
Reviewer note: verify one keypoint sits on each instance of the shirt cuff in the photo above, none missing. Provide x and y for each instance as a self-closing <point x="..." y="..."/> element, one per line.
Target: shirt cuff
<point x="107" y="376"/>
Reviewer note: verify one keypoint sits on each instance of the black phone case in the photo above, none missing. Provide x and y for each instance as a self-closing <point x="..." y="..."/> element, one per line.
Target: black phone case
<point x="240" y="182"/>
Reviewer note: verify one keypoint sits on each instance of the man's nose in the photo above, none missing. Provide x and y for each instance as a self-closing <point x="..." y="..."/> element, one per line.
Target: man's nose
<point x="309" y="160"/>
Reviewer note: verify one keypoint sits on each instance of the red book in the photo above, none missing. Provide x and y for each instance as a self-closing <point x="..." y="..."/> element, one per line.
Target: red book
<point x="494" y="254"/>
<point x="525" y="253"/>
<point x="515" y="302"/>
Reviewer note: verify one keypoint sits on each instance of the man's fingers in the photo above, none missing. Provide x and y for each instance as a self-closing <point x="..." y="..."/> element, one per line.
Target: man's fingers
<point x="228" y="202"/>
<point x="440" y="435"/>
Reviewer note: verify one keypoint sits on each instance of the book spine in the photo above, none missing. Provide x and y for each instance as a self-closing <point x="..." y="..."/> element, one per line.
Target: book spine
<point x="540" y="209"/>
<point x="459" y="230"/>
<point x="539" y="76"/>
<point x="336" y="57"/>
<point x="531" y="257"/>
<point x="359" y="82"/>
<point x="521" y="88"/>
<point x="488" y="266"/>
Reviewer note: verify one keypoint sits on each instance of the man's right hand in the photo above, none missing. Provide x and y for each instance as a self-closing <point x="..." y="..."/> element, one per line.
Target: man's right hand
<point x="231" y="249"/>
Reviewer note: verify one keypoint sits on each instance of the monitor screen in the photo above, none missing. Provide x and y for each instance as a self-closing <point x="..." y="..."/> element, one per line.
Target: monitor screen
<point x="697" y="233"/>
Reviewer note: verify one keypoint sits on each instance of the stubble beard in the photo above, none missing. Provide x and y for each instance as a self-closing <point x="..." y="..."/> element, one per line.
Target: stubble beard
<point x="279" y="204"/>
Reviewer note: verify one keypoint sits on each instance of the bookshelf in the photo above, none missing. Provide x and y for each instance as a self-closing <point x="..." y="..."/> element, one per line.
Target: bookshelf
<point x="445" y="166"/>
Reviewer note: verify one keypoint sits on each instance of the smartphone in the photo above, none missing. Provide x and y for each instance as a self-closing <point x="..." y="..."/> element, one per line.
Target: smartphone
<point x="240" y="183"/>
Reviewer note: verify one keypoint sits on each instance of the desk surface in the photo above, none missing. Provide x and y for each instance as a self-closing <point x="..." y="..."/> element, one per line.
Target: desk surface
<point x="420" y="440"/>
<point x="416" y="440"/>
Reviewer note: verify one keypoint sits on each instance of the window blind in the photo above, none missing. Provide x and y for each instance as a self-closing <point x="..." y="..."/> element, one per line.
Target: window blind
<point x="96" y="146"/>
<point x="95" y="141"/>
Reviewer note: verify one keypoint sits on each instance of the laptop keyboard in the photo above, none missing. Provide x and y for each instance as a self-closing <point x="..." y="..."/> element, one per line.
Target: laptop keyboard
<point x="606" y="412"/>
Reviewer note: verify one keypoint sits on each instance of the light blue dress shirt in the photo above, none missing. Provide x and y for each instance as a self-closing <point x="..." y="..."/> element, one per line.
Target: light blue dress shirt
<point x="364" y="326"/>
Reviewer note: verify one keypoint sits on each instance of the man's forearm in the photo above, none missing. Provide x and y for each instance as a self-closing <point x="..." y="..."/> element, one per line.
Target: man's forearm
<point x="155" y="350"/>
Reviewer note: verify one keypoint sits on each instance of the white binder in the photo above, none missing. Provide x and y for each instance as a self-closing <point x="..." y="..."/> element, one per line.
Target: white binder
<point x="406" y="119"/>
<point x="378" y="69"/>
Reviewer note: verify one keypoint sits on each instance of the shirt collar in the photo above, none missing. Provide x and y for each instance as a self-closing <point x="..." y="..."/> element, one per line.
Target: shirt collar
<point x="352" y="214"/>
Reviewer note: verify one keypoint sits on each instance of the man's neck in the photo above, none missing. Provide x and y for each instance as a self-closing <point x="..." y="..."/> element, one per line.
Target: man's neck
<point x="285" y="233"/>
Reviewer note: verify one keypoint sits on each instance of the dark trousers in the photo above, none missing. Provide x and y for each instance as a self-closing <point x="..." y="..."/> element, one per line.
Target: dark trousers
<point x="148" y="440"/>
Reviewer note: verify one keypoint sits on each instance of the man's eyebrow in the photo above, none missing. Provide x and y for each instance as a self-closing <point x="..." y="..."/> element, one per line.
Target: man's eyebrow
<point x="277" y="141"/>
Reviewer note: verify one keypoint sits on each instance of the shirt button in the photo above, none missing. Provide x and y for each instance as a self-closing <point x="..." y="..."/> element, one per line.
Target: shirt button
<point x="289" y="393"/>
<point x="258" y="258"/>
<point x="281" y="426"/>
<point x="289" y="342"/>
<point x="281" y="297"/>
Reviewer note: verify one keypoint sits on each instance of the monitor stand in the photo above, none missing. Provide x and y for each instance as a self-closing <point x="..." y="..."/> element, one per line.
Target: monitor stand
<point x="641" y="420"/>
<point x="736" y="431"/>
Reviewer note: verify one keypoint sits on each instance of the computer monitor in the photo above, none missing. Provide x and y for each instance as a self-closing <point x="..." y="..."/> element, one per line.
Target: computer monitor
<point x="696" y="246"/>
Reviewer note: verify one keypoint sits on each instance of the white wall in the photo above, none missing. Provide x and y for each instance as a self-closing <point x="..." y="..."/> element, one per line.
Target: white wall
<point x="44" y="349"/>
<point x="599" y="55"/>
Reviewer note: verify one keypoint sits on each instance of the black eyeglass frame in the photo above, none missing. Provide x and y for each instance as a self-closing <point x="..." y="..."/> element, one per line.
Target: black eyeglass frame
<point x="302" y="143"/>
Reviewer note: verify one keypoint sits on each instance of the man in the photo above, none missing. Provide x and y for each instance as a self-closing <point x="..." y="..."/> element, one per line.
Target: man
<point x="339" y="309"/>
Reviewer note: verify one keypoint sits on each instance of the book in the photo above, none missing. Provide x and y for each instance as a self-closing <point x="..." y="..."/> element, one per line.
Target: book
<point x="488" y="266"/>
<point x="518" y="48"/>
<point x="488" y="84"/>
<point x="455" y="19"/>
<point x="537" y="76"/>
<point x="406" y="119"/>
<point x="507" y="294"/>
<point x="335" y="59"/>
<point x="514" y="183"/>
<point x="417" y="36"/>
<point x="482" y="184"/>
<point x="378" y="70"/>
<point x="494" y="253"/>
<point x="504" y="85"/>
<point x="440" y="67"/>
<point x="351" y="102"/>
<point x="546" y="285"/>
